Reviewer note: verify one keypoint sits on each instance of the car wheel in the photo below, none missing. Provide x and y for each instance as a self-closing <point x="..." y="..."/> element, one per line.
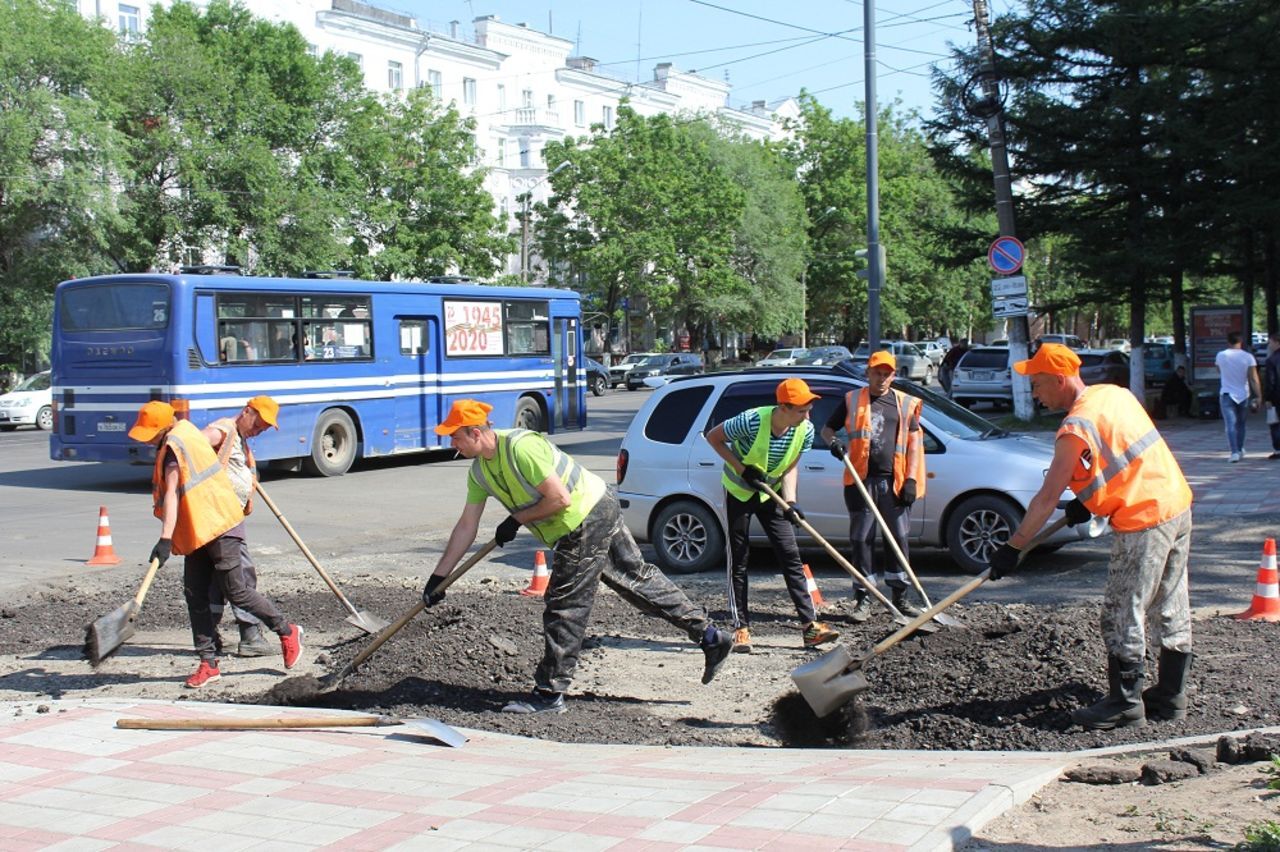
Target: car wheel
<point x="529" y="416"/>
<point x="687" y="538"/>
<point x="977" y="527"/>
<point x="44" y="419"/>
<point x="598" y="385"/>
<point x="333" y="448"/>
<point x="928" y="375"/>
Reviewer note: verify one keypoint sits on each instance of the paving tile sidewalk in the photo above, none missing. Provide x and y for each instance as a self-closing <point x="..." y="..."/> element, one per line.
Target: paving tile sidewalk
<point x="70" y="780"/>
<point x="1220" y="487"/>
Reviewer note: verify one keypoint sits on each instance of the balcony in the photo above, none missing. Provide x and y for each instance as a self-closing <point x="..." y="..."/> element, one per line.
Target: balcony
<point x="535" y="117"/>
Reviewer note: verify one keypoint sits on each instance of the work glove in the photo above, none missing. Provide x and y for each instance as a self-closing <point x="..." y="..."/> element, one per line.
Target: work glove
<point x="1003" y="561"/>
<point x="908" y="495"/>
<point x="753" y="476"/>
<point x="837" y="448"/>
<point x="506" y="531"/>
<point x="1077" y="513"/>
<point x="431" y="597"/>
<point x="162" y="551"/>
<point x="793" y="514"/>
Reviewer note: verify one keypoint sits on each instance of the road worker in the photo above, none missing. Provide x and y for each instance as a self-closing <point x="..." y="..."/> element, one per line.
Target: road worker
<point x="1111" y="455"/>
<point x="886" y="449"/>
<point x="569" y="509"/>
<point x="764" y="445"/>
<point x="229" y="437"/>
<point x="202" y="519"/>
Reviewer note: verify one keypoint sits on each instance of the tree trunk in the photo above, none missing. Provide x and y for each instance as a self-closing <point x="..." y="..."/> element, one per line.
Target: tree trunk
<point x="1247" y="286"/>
<point x="1176" y="306"/>
<point x="1270" y="278"/>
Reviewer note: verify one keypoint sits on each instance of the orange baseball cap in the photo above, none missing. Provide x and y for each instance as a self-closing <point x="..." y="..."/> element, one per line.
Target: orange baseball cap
<point x="795" y="392"/>
<point x="153" y="418"/>
<point x="882" y="358"/>
<point x="268" y="409"/>
<point x="1052" y="358"/>
<point x="465" y="412"/>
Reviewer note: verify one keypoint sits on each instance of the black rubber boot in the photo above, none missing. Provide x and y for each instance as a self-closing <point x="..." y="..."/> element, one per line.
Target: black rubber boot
<point x="905" y="606"/>
<point x="1122" y="708"/>
<point x="1167" y="700"/>
<point x="253" y="643"/>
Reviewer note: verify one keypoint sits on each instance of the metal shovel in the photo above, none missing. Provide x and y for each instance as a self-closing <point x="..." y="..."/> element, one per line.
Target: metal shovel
<point x="430" y="728"/>
<point x="833" y="679"/>
<point x="112" y="630"/>
<point x="363" y="619"/>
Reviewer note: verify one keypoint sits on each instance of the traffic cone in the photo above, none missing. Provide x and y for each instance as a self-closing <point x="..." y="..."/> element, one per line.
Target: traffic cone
<point x="811" y="586"/>
<point x="541" y="576"/>
<point x="1266" y="597"/>
<point x="103" y="552"/>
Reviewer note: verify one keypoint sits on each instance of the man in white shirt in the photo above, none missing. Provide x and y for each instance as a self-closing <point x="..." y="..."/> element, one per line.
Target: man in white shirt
<point x="1239" y="374"/>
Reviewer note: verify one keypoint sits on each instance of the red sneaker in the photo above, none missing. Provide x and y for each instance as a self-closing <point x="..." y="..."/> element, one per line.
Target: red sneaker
<point x="291" y="646"/>
<point x="207" y="673"/>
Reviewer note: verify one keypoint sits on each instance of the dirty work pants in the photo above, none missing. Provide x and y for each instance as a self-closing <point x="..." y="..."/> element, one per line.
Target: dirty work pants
<point x="783" y="538"/>
<point x="219" y="562"/>
<point x="218" y="601"/>
<point x="863" y="530"/>
<point x="1147" y="577"/>
<point x="602" y="550"/>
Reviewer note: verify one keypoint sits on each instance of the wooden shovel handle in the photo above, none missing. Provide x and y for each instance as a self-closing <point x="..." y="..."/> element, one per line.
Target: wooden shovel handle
<point x="146" y="584"/>
<point x="306" y="551"/>
<point x="285" y="723"/>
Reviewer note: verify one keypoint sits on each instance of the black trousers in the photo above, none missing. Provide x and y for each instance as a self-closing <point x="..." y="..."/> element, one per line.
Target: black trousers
<point x="863" y="530"/>
<point x="218" y="601"/>
<point x="219" y="562"/>
<point x="783" y="538"/>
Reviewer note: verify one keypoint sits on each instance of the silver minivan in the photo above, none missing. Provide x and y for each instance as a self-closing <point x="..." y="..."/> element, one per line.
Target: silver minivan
<point x="980" y="478"/>
<point x="983" y="376"/>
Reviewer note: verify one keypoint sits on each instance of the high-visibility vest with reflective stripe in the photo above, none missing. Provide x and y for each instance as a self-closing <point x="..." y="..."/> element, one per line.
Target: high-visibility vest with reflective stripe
<point x="207" y="504"/>
<point x="516" y="493"/>
<point x="908" y="443"/>
<point x="1131" y="476"/>
<point x="249" y="473"/>
<point x="758" y="456"/>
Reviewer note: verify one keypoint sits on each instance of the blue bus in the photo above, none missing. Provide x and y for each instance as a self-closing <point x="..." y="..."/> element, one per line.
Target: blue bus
<point x="360" y="368"/>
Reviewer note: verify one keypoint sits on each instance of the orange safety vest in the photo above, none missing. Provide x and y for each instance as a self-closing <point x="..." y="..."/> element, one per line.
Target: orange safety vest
<point x="1129" y="475"/>
<point x="908" y="444"/>
<point x="227" y="426"/>
<point x="207" y="504"/>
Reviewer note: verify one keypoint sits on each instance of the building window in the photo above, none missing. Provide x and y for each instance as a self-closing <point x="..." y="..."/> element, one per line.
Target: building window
<point x="502" y="152"/>
<point x="524" y="152"/>
<point x="606" y="116"/>
<point x="468" y="91"/>
<point x="526" y="98"/>
<point x="312" y="50"/>
<point x="502" y="96"/>
<point x="357" y="59"/>
<point x="395" y="76"/>
<point x="130" y="20"/>
<point x="436" y="82"/>
<point x="579" y="113"/>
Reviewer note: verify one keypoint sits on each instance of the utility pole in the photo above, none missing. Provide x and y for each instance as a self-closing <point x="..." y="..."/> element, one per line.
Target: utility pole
<point x="875" y="269"/>
<point x="1019" y="331"/>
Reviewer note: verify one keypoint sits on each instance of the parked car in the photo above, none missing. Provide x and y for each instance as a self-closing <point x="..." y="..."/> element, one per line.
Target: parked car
<point x="1120" y="344"/>
<point x="1157" y="362"/>
<point x="1068" y="340"/>
<point x="983" y="376"/>
<point x="30" y="403"/>
<point x="981" y="478"/>
<point x="782" y="357"/>
<point x="912" y="362"/>
<point x="934" y="350"/>
<point x="597" y="376"/>
<point x="824" y="355"/>
<point x="671" y="364"/>
<point x="1104" y="366"/>
<point x="618" y="372"/>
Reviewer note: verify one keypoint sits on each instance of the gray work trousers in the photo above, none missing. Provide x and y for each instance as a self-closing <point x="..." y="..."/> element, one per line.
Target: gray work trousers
<point x="218" y="601"/>
<point x="219" y="561"/>
<point x="602" y="550"/>
<point x="1147" y="579"/>
<point x="863" y="531"/>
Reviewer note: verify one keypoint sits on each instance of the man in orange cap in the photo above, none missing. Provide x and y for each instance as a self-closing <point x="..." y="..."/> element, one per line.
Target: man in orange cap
<point x="886" y="449"/>
<point x="1111" y="455"/>
<point x="202" y="519"/>
<point x="229" y="437"/>
<point x="764" y="445"/>
<point x="569" y="509"/>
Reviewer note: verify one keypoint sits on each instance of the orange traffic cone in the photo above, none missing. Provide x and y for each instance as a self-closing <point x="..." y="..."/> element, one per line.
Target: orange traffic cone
<point x="103" y="552"/>
<point x="811" y="586"/>
<point x="541" y="576"/>
<point x="1266" y="598"/>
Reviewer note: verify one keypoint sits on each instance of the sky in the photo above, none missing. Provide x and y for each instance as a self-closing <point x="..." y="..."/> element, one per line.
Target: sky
<point x="768" y="49"/>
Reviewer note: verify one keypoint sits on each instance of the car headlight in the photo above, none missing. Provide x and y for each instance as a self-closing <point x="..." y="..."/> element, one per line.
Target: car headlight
<point x="26" y="403"/>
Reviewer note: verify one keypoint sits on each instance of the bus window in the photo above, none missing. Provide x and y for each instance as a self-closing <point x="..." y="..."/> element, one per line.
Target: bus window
<point x="336" y="328"/>
<point x="528" y="328"/>
<point x="413" y="337"/>
<point x="115" y="306"/>
<point x="256" y="328"/>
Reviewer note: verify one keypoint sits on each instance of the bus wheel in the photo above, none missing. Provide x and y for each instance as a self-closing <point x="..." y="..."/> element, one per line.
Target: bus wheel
<point x="334" y="447"/>
<point x="529" y="416"/>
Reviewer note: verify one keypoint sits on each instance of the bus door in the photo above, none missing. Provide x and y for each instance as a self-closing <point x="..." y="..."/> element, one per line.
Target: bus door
<point x="417" y="382"/>
<point x="564" y="352"/>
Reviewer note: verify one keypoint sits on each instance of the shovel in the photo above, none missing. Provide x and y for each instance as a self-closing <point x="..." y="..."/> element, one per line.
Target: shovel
<point x="892" y="542"/>
<point x="366" y="621"/>
<point x="431" y="728"/>
<point x="898" y="617"/>
<point x="111" y="631"/>
<point x="836" y="677"/>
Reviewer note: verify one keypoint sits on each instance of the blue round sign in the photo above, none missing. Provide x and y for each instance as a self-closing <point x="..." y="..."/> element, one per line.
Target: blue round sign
<point x="1005" y="255"/>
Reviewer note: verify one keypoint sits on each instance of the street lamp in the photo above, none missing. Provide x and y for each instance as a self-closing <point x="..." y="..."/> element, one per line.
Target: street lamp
<point x="804" y="282"/>
<point x="524" y="218"/>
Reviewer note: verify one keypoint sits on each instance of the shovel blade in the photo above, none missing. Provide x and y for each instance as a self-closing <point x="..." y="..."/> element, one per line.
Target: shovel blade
<point x="367" y="621"/>
<point x="436" y="730"/>
<point x="110" y="632"/>
<point x="831" y="681"/>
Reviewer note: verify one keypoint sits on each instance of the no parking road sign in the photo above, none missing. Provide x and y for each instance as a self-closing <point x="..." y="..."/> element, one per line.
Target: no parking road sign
<point x="1005" y="255"/>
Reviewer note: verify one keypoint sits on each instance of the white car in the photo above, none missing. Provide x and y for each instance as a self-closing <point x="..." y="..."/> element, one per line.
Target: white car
<point x="618" y="372"/>
<point x="1119" y="344"/>
<point x="28" y="404"/>
<point x="782" y="357"/>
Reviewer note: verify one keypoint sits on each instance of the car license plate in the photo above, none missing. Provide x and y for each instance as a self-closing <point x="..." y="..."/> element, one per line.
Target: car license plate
<point x="108" y="426"/>
<point x="984" y="376"/>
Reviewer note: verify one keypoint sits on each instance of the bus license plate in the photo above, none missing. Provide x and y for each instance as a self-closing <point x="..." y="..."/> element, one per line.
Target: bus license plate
<point x="107" y="426"/>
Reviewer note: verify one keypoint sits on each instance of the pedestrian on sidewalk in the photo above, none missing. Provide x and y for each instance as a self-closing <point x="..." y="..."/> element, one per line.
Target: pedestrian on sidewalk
<point x="764" y="445"/>
<point x="1271" y="391"/>
<point x="1176" y="393"/>
<point x="949" y="361"/>
<point x="569" y="509"/>
<point x="886" y="449"/>
<point x="203" y="520"/>
<point x="1111" y="455"/>
<point x="1238" y="372"/>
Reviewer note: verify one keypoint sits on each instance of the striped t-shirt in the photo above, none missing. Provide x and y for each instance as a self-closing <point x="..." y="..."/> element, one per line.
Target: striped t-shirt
<point x="741" y="431"/>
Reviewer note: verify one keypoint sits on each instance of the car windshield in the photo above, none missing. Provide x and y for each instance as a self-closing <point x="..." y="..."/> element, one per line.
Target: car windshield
<point x="1088" y="360"/>
<point x="786" y="353"/>
<point x="655" y="361"/>
<point x="38" y="382"/>
<point x="985" y="359"/>
<point x="946" y="416"/>
<point x="634" y="359"/>
<point x="1156" y="350"/>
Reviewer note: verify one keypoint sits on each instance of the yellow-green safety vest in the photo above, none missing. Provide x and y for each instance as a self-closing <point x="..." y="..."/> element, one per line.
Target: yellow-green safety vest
<point x="758" y="456"/>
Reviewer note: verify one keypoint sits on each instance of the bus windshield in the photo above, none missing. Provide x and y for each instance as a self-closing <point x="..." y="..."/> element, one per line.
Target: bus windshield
<point x="115" y="307"/>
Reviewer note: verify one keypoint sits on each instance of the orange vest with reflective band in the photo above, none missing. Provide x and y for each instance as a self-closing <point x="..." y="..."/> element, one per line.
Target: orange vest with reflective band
<point x="227" y="426"/>
<point x="207" y="504"/>
<point x="1129" y="474"/>
<point x="908" y="444"/>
